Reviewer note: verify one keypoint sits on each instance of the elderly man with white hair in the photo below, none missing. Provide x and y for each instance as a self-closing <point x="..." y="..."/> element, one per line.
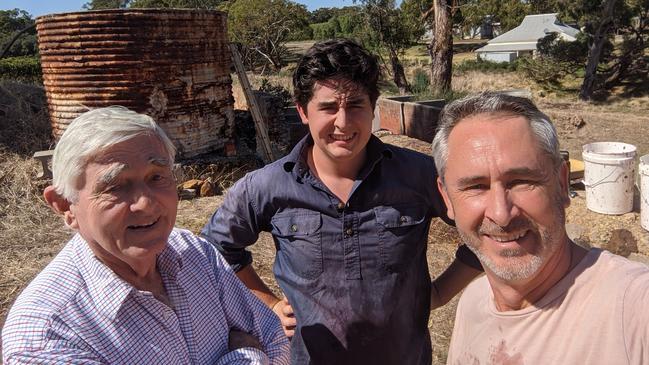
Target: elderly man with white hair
<point x="543" y="299"/>
<point x="129" y="288"/>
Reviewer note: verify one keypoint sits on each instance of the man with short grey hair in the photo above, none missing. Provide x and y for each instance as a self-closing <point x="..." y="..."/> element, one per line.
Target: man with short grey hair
<point x="543" y="299"/>
<point x="129" y="288"/>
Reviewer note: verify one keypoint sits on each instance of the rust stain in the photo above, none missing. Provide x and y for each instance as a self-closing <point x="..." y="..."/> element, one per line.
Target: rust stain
<point x="171" y="64"/>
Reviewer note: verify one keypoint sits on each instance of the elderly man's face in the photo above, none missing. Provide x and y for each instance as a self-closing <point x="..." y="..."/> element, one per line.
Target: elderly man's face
<point x="506" y="198"/>
<point x="127" y="203"/>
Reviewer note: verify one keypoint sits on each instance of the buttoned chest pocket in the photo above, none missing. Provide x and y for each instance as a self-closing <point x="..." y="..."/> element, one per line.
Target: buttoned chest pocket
<point x="299" y="238"/>
<point x="402" y="233"/>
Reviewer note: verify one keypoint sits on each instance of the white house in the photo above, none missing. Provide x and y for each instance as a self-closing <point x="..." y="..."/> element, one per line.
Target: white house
<point x="522" y="40"/>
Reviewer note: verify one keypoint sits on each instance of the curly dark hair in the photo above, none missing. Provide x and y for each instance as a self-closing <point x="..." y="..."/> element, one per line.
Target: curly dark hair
<point x="341" y="59"/>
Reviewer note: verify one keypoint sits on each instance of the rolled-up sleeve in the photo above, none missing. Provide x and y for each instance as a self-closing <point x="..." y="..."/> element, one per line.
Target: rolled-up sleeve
<point x="234" y="225"/>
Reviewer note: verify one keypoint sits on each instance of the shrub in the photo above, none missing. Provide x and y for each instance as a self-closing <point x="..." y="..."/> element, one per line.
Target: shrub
<point x="486" y="66"/>
<point x="545" y="71"/>
<point x="448" y="95"/>
<point x="323" y="30"/>
<point x="420" y="81"/>
<point x="24" y="69"/>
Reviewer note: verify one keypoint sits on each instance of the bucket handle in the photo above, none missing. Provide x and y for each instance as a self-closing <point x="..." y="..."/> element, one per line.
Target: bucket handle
<point x="612" y="163"/>
<point x="603" y="180"/>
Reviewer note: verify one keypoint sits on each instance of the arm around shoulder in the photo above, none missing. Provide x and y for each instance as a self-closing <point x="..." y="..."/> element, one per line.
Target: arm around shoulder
<point x="447" y="285"/>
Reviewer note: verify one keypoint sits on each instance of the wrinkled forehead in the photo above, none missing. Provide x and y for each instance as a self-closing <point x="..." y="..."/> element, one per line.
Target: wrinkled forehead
<point x="137" y="152"/>
<point x="500" y="139"/>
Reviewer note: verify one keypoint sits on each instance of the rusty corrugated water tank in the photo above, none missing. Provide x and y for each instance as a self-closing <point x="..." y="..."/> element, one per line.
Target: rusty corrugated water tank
<point x="171" y="64"/>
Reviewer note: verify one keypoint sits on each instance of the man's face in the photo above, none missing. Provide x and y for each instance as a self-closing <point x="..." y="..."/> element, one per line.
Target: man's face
<point x="506" y="198"/>
<point x="339" y="116"/>
<point x="127" y="203"/>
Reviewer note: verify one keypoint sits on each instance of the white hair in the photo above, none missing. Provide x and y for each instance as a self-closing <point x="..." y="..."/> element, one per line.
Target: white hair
<point x="491" y="102"/>
<point x="91" y="133"/>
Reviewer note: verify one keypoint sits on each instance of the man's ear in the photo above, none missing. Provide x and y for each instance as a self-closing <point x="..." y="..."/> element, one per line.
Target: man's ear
<point x="302" y="112"/>
<point x="449" y="207"/>
<point x="61" y="206"/>
<point x="564" y="181"/>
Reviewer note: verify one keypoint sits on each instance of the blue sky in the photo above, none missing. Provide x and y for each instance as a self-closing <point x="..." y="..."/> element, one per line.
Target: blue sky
<point x="41" y="7"/>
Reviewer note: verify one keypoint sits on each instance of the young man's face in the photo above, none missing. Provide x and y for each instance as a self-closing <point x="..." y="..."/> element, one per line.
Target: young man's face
<point x="339" y="116"/>
<point x="506" y="197"/>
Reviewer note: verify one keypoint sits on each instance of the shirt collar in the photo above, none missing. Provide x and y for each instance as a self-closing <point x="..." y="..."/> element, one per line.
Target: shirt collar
<point x="296" y="159"/>
<point x="107" y="290"/>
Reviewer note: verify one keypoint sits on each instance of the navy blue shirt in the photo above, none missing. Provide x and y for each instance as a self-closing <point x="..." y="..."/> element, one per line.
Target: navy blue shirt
<point x="355" y="274"/>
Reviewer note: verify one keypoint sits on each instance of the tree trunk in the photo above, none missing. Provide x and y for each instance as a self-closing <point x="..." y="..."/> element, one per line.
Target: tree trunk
<point x="398" y="75"/>
<point x="595" y="51"/>
<point x="441" y="48"/>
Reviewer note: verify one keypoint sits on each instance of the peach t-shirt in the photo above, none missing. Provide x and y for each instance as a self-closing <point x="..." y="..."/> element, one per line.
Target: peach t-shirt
<point x="597" y="314"/>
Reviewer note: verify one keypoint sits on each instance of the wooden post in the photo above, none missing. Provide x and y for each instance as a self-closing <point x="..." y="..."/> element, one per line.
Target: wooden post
<point x="253" y="106"/>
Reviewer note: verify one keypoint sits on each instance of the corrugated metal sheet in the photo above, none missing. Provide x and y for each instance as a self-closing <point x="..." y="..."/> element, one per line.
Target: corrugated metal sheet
<point x="173" y="65"/>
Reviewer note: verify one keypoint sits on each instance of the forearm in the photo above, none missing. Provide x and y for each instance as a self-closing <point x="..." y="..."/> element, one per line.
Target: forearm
<point x="455" y="278"/>
<point x="250" y="279"/>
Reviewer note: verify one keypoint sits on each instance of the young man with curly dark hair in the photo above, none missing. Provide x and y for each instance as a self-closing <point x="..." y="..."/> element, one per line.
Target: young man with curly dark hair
<point x="350" y="217"/>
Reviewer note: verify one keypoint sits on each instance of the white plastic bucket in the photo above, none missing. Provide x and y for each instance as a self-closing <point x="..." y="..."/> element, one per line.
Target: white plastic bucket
<point x="644" y="191"/>
<point x="609" y="169"/>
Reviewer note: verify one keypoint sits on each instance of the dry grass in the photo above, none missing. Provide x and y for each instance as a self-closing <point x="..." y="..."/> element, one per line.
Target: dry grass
<point x="24" y="126"/>
<point x="30" y="234"/>
<point x="475" y="81"/>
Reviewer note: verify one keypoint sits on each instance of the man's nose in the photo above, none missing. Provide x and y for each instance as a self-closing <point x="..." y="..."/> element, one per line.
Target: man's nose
<point x="342" y="119"/>
<point x="143" y="200"/>
<point x="500" y="207"/>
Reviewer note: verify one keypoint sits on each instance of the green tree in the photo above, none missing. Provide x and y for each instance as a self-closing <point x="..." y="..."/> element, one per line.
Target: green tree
<point x="17" y="34"/>
<point x="600" y="21"/>
<point x="323" y="31"/>
<point x="390" y="31"/>
<point x="344" y="22"/>
<point x="509" y="13"/>
<point x="321" y="15"/>
<point x="263" y="27"/>
<point x="556" y="59"/>
<point x="179" y="4"/>
<point x="106" y="4"/>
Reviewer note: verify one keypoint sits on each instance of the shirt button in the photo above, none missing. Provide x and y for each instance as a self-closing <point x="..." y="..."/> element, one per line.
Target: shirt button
<point x="293" y="227"/>
<point x="349" y="231"/>
<point x="340" y="206"/>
